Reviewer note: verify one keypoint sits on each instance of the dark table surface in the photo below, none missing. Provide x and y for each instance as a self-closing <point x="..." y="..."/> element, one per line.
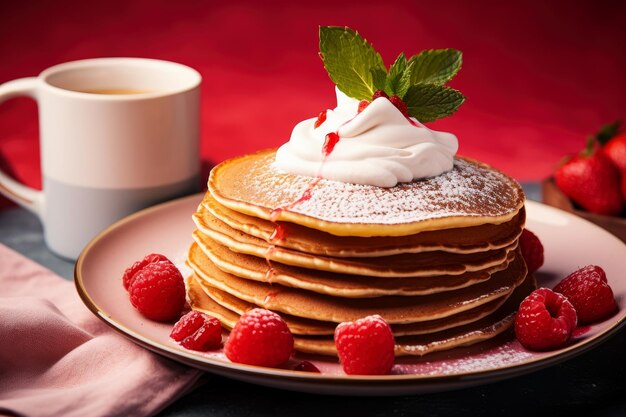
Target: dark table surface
<point x="592" y="384"/>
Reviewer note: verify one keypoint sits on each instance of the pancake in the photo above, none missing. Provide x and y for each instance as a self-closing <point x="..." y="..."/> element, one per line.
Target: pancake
<point x="469" y="334"/>
<point x="199" y="290"/>
<point x="392" y="266"/>
<point x="466" y="240"/>
<point x="462" y="335"/>
<point x="437" y="258"/>
<point x="466" y="335"/>
<point x="211" y="301"/>
<point x="471" y="194"/>
<point x="394" y="309"/>
<point x="341" y="285"/>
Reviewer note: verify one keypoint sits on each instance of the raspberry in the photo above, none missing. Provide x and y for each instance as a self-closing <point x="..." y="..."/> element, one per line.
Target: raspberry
<point x="130" y="272"/>
<point x="545" y="320"/>
<point x="532" y="250"/>
<point x="365" y="346"/>
<point x="400" y="105"/>
<point x="198" y="331"/>
<point x="158" y="291"/>
<point x="321" y="118"/>
<point x="378" y="94"/>
<point x="589" y="292"/>
<point x="306" y="366"/>
<point x="261" y="338"/>
<point x="362" y="105"/>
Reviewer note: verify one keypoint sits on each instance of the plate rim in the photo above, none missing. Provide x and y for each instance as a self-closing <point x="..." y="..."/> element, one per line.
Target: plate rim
<point x="204" y="363"/>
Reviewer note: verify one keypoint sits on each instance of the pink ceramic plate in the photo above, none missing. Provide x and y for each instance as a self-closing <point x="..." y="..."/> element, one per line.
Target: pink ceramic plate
<point x="569" y="241"/>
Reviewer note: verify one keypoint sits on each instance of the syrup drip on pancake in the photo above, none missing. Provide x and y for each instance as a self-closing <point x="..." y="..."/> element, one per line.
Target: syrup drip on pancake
<point x="270" y="296"/>
<point x="269" y="275"/>
<point x="280" y="229"/>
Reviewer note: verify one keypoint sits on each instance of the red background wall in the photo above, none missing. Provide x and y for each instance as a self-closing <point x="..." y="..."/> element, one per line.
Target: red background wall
<point x="539" y="76"/>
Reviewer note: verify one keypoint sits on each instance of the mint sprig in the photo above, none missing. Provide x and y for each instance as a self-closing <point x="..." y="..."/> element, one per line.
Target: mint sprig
<point x="358" y="71"/>
<point x="431" y="101"/>
<point x="350" y="61"/>
<point x="399" y="77"/>
<point x="435" y="66"/>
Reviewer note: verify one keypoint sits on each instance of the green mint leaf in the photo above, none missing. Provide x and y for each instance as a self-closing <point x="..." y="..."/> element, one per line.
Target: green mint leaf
<point x="350" y="61"/>
<point x="405" y="81"/>
<point x="435" y="66"/>
<point x="606" y="132"/>
<point x="379" y="78"/>
<point x="429" y="102"/>
<point x="399" y="78"/>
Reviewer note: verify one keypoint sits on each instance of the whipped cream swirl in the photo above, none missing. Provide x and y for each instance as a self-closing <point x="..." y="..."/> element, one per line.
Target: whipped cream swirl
<point x="378" y="146"/>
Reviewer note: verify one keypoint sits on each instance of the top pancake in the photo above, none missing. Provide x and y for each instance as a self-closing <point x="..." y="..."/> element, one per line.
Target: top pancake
<point x="304" y="239"/>
<point x="471" y="194"/>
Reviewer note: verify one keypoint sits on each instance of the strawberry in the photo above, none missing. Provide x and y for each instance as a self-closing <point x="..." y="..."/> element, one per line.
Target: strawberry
<point x="592" y="181"/>
<point x="615" y="150"/>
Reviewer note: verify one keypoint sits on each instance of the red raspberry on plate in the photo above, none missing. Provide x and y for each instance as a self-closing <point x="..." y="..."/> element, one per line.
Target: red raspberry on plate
<point x="545" y="320"/>
<point x="365" y="346"/>
<point x="157" y="290"/>
<point x="130" y="272"/>
<point x="532" y="250"/>
<point x="198" y="331"/>
<point x="260" y="337"/>
<point x="589" y="292"/>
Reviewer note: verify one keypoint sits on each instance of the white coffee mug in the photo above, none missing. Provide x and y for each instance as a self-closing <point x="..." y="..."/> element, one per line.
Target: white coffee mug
<point x="116" y="135"/>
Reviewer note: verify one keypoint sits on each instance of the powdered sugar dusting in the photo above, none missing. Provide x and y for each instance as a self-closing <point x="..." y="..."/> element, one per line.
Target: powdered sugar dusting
<point x="469" y="189"/>
<point x="502" y="356"/>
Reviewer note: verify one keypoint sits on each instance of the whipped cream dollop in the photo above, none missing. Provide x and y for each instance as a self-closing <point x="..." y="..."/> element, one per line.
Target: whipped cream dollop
<point x="378" y="146"/>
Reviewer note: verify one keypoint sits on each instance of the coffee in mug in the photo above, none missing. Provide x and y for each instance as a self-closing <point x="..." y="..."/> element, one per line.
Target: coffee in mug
<point x="116" y="135"/>
<point x="115" y="91"/>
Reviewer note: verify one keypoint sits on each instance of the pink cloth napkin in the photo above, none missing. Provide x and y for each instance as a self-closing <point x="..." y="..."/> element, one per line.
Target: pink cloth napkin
<point x="58" y="359"/>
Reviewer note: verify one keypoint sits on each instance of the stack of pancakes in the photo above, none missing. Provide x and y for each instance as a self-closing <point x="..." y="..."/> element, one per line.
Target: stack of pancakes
<point x="437" y="258"/>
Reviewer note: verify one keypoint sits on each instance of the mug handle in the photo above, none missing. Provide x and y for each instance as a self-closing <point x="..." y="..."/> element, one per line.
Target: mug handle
<point x="27" y="197"/>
